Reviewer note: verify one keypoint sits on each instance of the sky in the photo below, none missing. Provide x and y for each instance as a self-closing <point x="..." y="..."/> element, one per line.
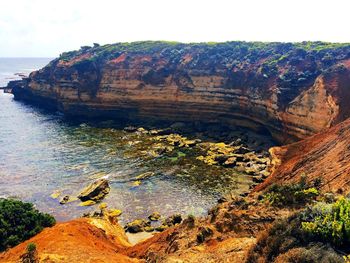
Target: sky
<point x="46" y="28"/>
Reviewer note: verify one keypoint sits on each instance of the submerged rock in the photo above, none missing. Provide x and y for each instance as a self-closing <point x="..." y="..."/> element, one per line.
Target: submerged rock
<point x="137" y="226"/>
<point x="87" y="203"/>
<point x="56" y="194"/>
<point x="160" y="148"/>
<point x="95" y="191"/>
<point x="155" y="216"/>
<point x="113" y="213"/>
<point x="144" y="176"/>
<point x="136" y="183"/>
<point x="64" y="200"/>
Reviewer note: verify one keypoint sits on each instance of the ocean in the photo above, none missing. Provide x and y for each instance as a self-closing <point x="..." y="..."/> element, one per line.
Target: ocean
<point x="11" y="66"/>
<point x="42" y="152"/>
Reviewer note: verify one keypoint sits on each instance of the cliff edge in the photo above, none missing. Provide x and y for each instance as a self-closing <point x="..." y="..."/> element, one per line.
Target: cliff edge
<point x="292" y="90"/>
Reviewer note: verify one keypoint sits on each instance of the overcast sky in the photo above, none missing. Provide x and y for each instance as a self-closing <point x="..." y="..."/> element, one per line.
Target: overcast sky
<point x="47" y="28"/>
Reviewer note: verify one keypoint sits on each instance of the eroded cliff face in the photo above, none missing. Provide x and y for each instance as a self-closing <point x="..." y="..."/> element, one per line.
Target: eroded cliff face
<point x="292" y="90"/>
<point x="323" y="156"/>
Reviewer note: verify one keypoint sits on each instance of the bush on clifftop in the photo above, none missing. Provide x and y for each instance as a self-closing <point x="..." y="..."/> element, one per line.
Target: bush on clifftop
<point x="330" y="222"/>
<point x="20" y="221"/>
<point x="319" y="233"/>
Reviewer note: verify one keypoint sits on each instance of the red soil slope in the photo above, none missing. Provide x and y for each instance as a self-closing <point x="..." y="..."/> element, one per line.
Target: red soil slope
<point x="325" y="156"/>
<point x="81" y="240"/>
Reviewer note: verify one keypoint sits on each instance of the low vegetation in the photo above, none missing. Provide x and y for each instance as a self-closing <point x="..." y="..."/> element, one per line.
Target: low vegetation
<point x="269" y="58"/>
<point x="319" y="233"/>
<point x="20" y="221"/>
<point x="299" y="193"/>
<point x="329" y="222"/>
<point x="31" y="254"/>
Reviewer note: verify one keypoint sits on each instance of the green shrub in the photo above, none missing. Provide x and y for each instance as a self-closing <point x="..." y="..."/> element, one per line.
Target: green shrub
<point x="319" y="233"/>
<point x="31" y="247"/>
<point x="19" y="221"/>
<point x="330" y="224"/>
<point x="291" y="194"/>
<point x="286" y="241"/>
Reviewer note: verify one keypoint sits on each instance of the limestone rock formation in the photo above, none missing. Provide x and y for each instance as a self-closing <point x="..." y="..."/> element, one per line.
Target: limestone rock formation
<point x="291" y="90"/>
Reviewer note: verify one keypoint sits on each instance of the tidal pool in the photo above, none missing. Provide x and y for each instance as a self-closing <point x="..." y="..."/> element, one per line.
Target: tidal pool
<point x="42" y="152"/>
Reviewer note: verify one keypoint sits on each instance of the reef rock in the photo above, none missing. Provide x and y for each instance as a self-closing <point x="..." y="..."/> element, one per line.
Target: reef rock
<point x="95" y="191"/>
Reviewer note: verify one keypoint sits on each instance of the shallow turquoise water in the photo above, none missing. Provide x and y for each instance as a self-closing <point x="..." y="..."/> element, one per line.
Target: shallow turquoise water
<point x="41" y="152"/>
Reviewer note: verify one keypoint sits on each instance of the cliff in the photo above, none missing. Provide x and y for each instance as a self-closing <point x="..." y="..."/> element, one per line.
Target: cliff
<point x="291" y="90"/>
<point x="324" y="156"/>
<point x="294" y="91"/>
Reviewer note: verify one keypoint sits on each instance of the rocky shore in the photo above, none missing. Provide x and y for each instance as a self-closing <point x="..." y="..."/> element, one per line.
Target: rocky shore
<point x="296" y="206"/>
<point x="238" y="229"/>
<point x="205" y="158"/>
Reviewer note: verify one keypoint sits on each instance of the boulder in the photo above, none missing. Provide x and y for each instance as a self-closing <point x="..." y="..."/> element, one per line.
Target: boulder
<point x="155" y="216"/>
<point x="160" y="148"/>
<point x="237" y="142"/>
<point x="173" y="220"/>
<point x="137" y="226"/>
<point x="149" y="229"/>
<point x="64" y="200"/>
<point x="142" y="130"/>
<point x="230" y="162"/>
<point x="161" y="228"/>
<point x="95" y="191"/>
<point x="166" y="131"/>
<point x="221" y="158"/>
<point x="153" y="132"/>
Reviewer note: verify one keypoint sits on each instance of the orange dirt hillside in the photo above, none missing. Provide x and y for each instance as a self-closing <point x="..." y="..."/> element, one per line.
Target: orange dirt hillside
<point x="325" y="156"/>
<point x="81" y="240"/>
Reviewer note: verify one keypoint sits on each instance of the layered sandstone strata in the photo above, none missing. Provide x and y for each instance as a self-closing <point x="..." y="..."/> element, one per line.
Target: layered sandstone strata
<point x="290" y="90"/>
